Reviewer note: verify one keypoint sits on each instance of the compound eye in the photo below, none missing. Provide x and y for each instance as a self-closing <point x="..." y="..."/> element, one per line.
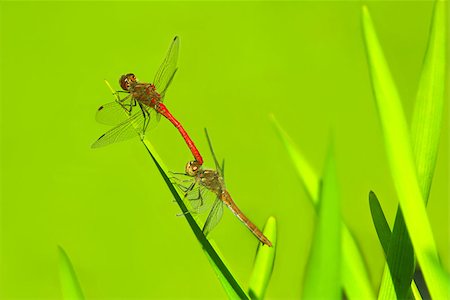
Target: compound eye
<point x="124" y="84"/>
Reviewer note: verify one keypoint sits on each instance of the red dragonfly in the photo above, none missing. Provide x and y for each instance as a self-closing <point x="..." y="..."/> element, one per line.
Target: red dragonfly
<point x="142" y="105"/>
<point x="202" y="186"/>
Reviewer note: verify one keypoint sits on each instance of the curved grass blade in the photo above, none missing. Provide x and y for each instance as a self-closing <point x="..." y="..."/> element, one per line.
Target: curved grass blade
<point x="264" y="261"/>
<point x="380" y="222"/>
<point x="402" y="264"/>
<point x="322" y="279"/>
<point x="400" y="156"/>
<point x="70" y="287"/>
<point x="429" y="107"/>
<point x="355" y="278"/>
<point x="307" y="175"/>
<point x="427" y="117"/>
<point x="230" y="284"/>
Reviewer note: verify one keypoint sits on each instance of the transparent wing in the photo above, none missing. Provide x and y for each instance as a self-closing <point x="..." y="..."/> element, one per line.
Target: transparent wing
<point x="200" y="199"/>
<point x="113" y="113"/>
<point x="218" y="167"/>
<point x="168" y="68"/>
<point x="214" y="216"/>
<point x="131" y="127"/>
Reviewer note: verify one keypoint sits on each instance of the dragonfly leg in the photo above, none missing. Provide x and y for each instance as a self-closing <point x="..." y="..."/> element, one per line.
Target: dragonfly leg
<point x="127" y="107"/>
<point x="183" y="188"/>
<point x="147" y="118"/>
<point x="175" y="180"/>
<point x="178" y="173"/>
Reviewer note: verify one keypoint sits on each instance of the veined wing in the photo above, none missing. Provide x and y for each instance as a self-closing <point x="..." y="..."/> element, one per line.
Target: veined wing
<point x="198" y="199"/>
<point x="168" y="68"/>
<point x="113" y="113"/>
<point x="214" y="216"/>
<point x="131" y="127"/>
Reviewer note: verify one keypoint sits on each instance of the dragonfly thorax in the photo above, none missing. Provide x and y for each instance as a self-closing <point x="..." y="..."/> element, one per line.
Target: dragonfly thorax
<point x="211" y="180"/>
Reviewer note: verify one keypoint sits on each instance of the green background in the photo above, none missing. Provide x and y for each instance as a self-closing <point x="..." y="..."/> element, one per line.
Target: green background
<point x="239" y="61"/>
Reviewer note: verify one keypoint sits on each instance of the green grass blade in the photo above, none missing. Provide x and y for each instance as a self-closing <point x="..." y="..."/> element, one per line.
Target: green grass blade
<point x="429" y="107"/>
<point x="399" y="252"/>
<point x="307" y="175"/>
<point x="379" y="221"/>
<point x="264" y="261"/>
<point x="322" y="279"/>
<point x="70" y="287"/>
<point x="355" y="279"/>
<point x="400" y="157"/>
<point x="230" y="284"/>
<point x="425" y="132"/>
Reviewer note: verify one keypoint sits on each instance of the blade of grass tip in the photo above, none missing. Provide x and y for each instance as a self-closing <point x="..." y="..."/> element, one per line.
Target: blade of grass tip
<point x="226" y="278"/>
<point x="380" y="222"/>
<point x="264" y="261"/>
<point x="415" y="292"/>
<point x="354" y="275"/>
<point x="401" y="264"/>
<point x="429" y="107"/>
<point x="322" y="279"/>
<point x="400" y="157"/>
<point x="70" y="286"/>
<point x="307" y="175"/>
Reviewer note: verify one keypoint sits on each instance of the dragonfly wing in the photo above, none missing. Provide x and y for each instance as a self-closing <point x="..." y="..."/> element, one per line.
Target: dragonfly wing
<point x="218" y="167"/>
<point x="131" y="127"/>
<point x="113" y="113"/>
<point x="214" y="216"/>
<point x="199" y="198"/>
<point x="168" y="68"/>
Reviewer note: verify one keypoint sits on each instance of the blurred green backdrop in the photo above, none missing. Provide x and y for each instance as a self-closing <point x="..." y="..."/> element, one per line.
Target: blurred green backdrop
<point x="239" y="61"/>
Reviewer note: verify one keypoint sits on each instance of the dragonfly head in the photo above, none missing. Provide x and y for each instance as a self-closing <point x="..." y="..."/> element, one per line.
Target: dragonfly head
<point x="125" y="81"/>
<point x="192" y="168"/>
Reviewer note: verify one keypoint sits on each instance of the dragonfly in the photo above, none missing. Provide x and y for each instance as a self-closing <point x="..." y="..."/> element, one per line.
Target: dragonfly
<point x="142" y="105"/>
<point x="202" y="185"/>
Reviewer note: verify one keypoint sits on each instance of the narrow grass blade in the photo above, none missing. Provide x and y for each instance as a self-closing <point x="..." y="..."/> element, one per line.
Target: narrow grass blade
<point x="264" y="261"/>
<point x="70" y="287"/>
<point x="400" y="156"/>
<point x="355" y="279"/>
<point x="425" y="132"/>
<point x="322" y="279"/>
<point x="399" y="253"/>
<point x="307" y="175"/>
<point x="429" y="107"/>
<point x="380" y="222"/>
<point x="230" y="284"/>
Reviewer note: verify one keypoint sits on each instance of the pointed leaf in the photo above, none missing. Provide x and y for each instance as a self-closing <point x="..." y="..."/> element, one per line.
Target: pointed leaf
<point x="428" y="110"/>
<point x="322" y="279"/>
<point x="379" y="220"/>
<point x="307" y="175"/>
<point x="400" y="156"/>
<point x="355" y="279"/>
<point x="264" y="261"/>
<point x="70" y="287"/>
